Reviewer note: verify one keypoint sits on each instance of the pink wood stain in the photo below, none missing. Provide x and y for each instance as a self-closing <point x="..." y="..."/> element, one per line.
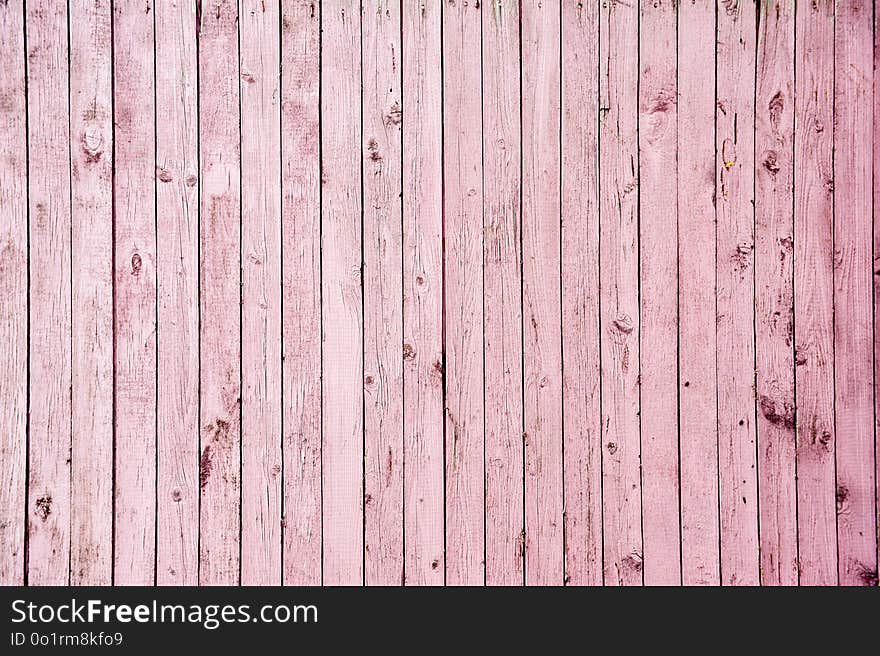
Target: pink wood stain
<point x="455" y="292"/>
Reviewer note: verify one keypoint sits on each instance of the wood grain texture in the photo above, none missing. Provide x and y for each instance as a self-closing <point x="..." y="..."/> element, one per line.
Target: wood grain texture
<point x="49" y="272"/>
<point x="342" y="309"/>
<point x="177" y="273"/>
<point x="814" y="294"/>
<point x="582" y="440"/>
<point x="735" y="271"/>
<point x="219" y="296"/>
<point x="658" y="266"/>
<point x="502" y="294"/>
<point x="463" y="292"/>
<point x="13" y="294"/>
<point x="853" y="294"/>
<point x="542" y="284"/>
<point x="135" y="274"/>
<point x="261" y="385"/>
<point x="383" y="280"/>
<point x="301" y="291"/>
<point x="619" y="292"/>
<point x="774" y="294"/>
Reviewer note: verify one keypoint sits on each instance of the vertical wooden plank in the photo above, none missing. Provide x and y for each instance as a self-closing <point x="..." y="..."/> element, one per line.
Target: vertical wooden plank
<point x="698" y="426"/>
<point x="91" y="148"/>
<point x="177" y="271"/>
<point x="463" y="292"/>
<point x="342" y="296"/>
<point x="619" y="295"/>
<point x="261" y="292"/>
<point x="542" y="345"/>
<point x="219" y="295"/>
<point x="774" y="318"/>
<point x="813" y="293"/>
<point x="423" y="358"/>
<point x="853" y="327"/>
<point x="13" y="293"/>
<point x="301" y="295"/>
<point x="658" y="237"/>
<point x="383" y="277"/>
<point x="502" y="294"/>
<point x="580" y="293"/>
<point x="876" y="258"/>
<point x="49" y="414"/>
<point x="135" y="280"/>
<point x="735" y="159"/>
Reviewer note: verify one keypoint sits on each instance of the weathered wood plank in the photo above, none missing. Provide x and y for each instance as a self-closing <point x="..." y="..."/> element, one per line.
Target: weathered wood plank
<point x="813" y="293"/>
<point x="580" y="294"/>
<point x="423" y="358"/>
<point x="735" y="271"/>
<point x="619" y="291"/>
<point x="463" y="290"/>
<point x="13" y="294"/>
<point x="541" y="255"/>
<point x="853" y="268"/>
<point x="219" y="296"/>
<point x="301" y="295"/>
<point x="177" y="272"/>
<point x="658" y="273"/>
<point x="342" y="296"/>
<point x="261" y="293"/>
<point x="502" y="294"/>
<point x="383" y="280"/>
<point x="49" y="272"/>
<point x="135" y="288"/>
<point x="774" y="294"/>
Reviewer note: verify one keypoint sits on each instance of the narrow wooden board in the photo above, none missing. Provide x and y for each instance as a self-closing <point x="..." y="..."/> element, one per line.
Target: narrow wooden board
<point x="658" y="274"/>
<point x="342" y="316"/>
<point x="582" y="440"/>
<point x="735" y="271"/>
<point x="13" y="294"/>
<point x="502" y="294"/>
<point x="383" y="280"/>
<point x="49" y="272"/>
<point x="463" y="292"/>
<point x="301" y="295"/>
<point x="619" y="292"/>
<point x="774" y="293"/>
<point x="261" y="385"/>
<point x="134" y="202"/>
<point x="219" y="296"/>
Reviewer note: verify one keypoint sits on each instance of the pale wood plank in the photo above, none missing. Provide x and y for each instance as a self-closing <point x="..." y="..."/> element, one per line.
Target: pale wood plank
<point x="48" y="507"/>
<point x="735" y="345"/>
<point x="774" y="318"/>
<point x="301" y="295"/>
<point x="658" y="239"/>
<point x="423" y="358"/>
<point x="853" y="327"/>
<point x="219" y="296"/>
<point x="342" y="296"/>
<point x="463" y="289"/>
<point x="177" y="271"/>
<point x="542" y="338"/>
<point x="261" y="292"/>
<point x="91" y="148"/>
<point x="383" y="278"/>
<point x="619" y="291"/>
<point x="135" y="288"/>
<point x="502" y="295"/>
<point x="13" y="294"/>
<point x="876" y="255"/>
<point x="580" y="293"/>
<point x="698" y="426"/>
<point x="813" y="293"/>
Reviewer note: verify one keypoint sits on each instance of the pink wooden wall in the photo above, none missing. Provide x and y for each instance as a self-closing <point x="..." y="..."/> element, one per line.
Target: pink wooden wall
<point x="439" y="292"/>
